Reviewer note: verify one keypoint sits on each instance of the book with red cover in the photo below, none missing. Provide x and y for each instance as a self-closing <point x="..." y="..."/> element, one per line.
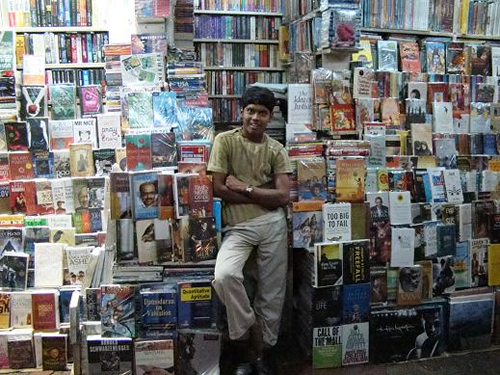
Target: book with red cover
<point x="21" y="167"/>
<point x="45" y="310"/>
<point x="200" y="197"/>
<point x="138" y="149"/>
<point x="17" y="136"/>
<point x="436" y="92"/>
<point x="193" y="153"/>
<point x="166" y="196"/>
<point x="342" y="118"/>
<point x="410" y="57"/>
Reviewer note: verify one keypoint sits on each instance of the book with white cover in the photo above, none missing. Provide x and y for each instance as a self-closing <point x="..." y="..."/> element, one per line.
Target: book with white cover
<point x="400" y="207"/>
<point x="300" y="103"/>
<point x="443" y="117"/>
<point x="109" y="130"/>
<point x="49" y="264"/>
<point x="453" y="186"/>
<point x="20" y="310"/>
<point x="337" y="222"/>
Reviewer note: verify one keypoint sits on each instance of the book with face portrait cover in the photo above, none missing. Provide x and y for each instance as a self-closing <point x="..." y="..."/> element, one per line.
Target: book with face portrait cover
<point x="54" y="351"/>
<point x="85" y="131"/>
<point x="409" y="289"/>
<point x="203" y="239"/>
<point x="81" y="160"/>
<point x="144" y="190"/>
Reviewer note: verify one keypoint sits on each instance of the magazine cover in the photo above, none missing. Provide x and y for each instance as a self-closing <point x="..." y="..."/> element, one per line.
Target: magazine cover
<point x="63" y="99"/>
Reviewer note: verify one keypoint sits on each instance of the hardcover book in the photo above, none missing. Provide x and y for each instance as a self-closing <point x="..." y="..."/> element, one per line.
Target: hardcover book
<point x="479" y="261"/>
<point x="378" y="284"/>
<point x="45" y="305"/>
<point x="20" y="349"/>
<point x="200" y="197"/>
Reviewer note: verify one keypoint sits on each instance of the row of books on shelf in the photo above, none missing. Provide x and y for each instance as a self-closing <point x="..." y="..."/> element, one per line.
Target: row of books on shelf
<point x="250" y="6"/>
<point x="236" y="27"/>
<point x="432" y="55"/>
<point x="238" y="55"/>
<point x="60" y="48"/>
<point x="26" y="13"/>
<point x="409" y="15"/>
<point x="184" y="14"/>
<point x="77" y="77"/>
<point x="478" y="18"/>
<point x="235" y="83"/>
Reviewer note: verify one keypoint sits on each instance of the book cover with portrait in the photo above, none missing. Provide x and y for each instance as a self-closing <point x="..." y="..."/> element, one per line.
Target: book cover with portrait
<point x="144" y="190"/>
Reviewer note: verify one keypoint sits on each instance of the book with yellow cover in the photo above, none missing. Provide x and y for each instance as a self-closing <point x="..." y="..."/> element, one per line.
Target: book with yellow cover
<point x="494" y="264"/>
<point x="350" y="180"/>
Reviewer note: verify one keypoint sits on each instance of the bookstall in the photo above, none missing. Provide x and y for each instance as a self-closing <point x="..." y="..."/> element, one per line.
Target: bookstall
<point x="109" y="228"/>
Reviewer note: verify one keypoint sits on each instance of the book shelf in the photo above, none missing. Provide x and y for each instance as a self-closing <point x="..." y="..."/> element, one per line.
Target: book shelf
<point x="238" y="47"/>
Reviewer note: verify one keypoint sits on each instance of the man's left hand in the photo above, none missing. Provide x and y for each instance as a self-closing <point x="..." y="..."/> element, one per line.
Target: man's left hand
<point x="236" y="185"/>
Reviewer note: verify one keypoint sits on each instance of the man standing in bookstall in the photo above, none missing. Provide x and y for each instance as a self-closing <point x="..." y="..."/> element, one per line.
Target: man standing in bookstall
<point x="250" y="173"/>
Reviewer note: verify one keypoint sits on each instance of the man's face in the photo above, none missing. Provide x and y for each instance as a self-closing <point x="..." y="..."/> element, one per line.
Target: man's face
<point x="83" y="198"/>
<point x="378" y="202"/>
<point x="432" y="325"/>
<point x="148" y="193"/>
<point x="255" y="118"/>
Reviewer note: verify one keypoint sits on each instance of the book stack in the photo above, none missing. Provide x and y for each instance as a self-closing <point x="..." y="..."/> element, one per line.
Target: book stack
<point x="113" y="74"/>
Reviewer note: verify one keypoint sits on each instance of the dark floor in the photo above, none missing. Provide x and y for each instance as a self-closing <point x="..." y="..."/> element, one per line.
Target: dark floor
<point x="289" y="361"/>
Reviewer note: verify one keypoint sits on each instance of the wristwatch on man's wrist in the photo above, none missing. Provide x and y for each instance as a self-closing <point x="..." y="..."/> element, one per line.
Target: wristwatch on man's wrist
<point x="249" y="189"/>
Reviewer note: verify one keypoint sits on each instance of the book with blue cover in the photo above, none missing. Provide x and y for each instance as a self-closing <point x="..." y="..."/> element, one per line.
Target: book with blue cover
<point x="356" y="303"/>
<point x="197" y="304"/>
<point x="144" y="189"/>
<point x="158" y="312"/>
<point x="164" y="109"/>
<point x="118" y="310"/>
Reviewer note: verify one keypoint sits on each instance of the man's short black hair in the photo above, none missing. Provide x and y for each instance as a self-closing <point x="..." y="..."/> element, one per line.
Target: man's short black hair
<point x="258" y="95"/>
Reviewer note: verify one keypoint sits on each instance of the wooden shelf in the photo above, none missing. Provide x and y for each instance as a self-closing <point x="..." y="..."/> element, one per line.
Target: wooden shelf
<point x="307" y="16"/>
<point x="237" y="13"/>
<point x="410" y="32"/>
<point x="327" y="51"/>
<point x="69" y="29"/>
<point x="71" y="66"/>
<point x="248" y="41"/>
<point x="244" y="68"/>
<point x="479" y="37"/>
